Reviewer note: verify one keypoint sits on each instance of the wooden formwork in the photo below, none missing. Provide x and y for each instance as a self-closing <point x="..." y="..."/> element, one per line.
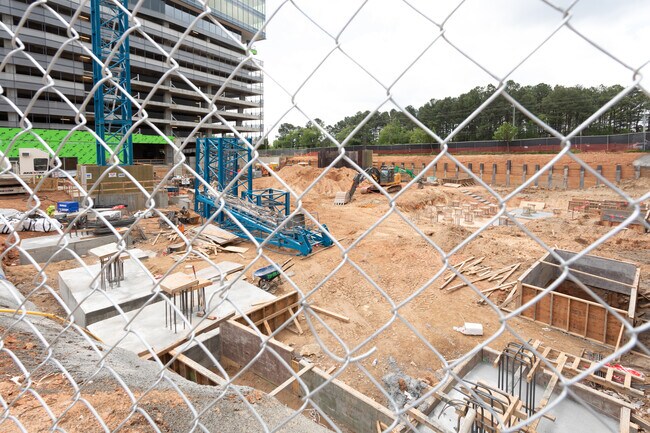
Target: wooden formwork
<point x="595" y="206"/>
<point x="190" y="369"/>
<point x="271" y="315"/>
<point x="574" y="315"/>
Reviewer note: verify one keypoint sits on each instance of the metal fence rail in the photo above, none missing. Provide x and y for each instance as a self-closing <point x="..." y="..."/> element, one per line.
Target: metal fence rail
<point x="583" y="143"/>
<point x="59" y="374"/>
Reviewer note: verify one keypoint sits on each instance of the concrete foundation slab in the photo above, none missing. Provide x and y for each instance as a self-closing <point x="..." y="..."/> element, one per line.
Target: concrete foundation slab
<point x="78" y="290"/>
<point x="214" y="273"/>
<point x="44" y="248"/>
<point x="571" y="415"/>
<point x="149" y="323"/>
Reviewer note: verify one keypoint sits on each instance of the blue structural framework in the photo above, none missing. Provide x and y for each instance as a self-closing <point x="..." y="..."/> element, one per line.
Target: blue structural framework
<point x="261" y="211"/>
<point x="113" y="111"/>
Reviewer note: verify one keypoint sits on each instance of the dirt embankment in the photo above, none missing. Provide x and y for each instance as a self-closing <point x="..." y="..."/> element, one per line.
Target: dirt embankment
<point x="299" y="178"/>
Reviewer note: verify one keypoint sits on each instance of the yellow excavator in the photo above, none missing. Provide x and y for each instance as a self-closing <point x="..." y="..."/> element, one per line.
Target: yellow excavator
<point x="387" y="177"/>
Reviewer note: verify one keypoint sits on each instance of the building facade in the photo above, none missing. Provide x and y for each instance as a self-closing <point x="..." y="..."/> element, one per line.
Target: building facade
<point x="207" y="56"/>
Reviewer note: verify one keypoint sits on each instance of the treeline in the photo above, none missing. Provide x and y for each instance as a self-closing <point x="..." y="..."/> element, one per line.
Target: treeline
<point x="563" y="108"/>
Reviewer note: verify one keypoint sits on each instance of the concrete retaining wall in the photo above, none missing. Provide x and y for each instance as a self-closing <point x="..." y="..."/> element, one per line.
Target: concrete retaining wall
<point x="346" y="405"/>
<point x="240" y="344"/>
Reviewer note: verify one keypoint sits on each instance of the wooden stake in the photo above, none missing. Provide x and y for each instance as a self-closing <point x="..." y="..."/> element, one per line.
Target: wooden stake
<point x="267" y="327"/>
<point x="330" y="313"/>
<point x="295" y="322"/>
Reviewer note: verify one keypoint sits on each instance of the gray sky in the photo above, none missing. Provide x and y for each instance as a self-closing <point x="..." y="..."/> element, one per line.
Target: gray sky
<point x="387" y="35"/>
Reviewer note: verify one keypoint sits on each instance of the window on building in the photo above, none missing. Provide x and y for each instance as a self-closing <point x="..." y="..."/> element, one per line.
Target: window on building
<point x="40" y="164"/>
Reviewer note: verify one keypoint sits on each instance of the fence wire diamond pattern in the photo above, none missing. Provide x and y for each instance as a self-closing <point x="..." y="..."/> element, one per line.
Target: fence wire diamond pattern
<point x="358" y="337"/>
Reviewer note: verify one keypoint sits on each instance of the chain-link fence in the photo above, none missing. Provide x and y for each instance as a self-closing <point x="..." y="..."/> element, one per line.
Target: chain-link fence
<point x="217" y="300"/>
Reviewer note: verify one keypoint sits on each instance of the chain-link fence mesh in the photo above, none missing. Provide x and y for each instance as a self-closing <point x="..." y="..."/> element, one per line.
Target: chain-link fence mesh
<point x="371" y="333"/>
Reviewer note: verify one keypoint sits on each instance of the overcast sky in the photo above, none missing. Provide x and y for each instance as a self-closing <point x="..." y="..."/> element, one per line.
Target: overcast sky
<point x="387" y="35"/>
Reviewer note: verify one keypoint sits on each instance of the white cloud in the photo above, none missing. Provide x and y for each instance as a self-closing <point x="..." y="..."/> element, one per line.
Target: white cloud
<point x="385" y="36"/>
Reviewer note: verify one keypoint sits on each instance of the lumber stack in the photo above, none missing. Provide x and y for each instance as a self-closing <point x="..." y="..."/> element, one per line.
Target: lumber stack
<point x="208" y="240"/>
<point x="474" y="270"/>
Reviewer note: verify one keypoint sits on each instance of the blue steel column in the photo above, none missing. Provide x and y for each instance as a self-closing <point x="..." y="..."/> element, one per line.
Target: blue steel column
<point x="250" y="169"/>
<point x="113" y="111"/>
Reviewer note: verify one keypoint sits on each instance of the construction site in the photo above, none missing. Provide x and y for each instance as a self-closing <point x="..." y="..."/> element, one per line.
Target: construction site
<point x="390" y="289"/>
<point x="215" y="278"/>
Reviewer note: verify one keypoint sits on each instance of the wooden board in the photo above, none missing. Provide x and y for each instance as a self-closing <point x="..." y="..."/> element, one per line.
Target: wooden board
<point x="103" y="251"/>
<point x="177" y="281"/>
<point x="234" y="249"/>
<point x="216" y="234"/>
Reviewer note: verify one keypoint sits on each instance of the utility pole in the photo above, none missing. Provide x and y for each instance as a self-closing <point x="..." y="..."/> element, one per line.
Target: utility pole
<point x="645" y="126"/>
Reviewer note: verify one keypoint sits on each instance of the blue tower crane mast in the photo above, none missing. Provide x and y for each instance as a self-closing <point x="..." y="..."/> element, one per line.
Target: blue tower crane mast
<point x="113" y="112"/>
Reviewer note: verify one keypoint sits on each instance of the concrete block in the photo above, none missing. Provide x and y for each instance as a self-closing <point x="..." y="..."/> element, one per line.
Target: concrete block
<point x="44" y="248"/>
<point x="80" y="290"/>
<point x="150" y="321"/>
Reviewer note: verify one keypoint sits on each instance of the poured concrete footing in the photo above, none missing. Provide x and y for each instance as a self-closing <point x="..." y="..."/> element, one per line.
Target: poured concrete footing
<point x="80" y="291"/>
<point x="148" y="324"/>
<point x="44" y="248"/>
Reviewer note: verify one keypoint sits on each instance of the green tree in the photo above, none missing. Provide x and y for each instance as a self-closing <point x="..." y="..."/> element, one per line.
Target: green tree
<point x="393" y="133"/>
<point x="506" y="132"/>
<point x="418" y="135"/>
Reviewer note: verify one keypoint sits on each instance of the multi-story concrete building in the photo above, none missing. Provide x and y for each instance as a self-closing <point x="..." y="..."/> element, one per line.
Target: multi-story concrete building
<point x="206" y="57"/>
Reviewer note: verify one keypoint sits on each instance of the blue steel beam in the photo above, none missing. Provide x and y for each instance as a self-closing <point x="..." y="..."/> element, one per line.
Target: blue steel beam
<point x="218" y="161"/>
<point x="113" y="111"/>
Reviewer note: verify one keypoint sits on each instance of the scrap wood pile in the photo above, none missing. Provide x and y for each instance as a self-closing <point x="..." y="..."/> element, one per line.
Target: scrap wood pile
<point x="475" y="271"/>
<point x="208" y="240"/>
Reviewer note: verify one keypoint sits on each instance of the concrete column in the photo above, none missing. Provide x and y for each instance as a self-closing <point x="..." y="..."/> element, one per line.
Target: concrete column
<point x="582" y="178"/>
<point x="456" y="171"/>
<point x="524" y="172"/>
<point x="444" y="171"/>
<point x="481" y="169"/>
<point x="10" y="92"/>
<point x="508" y="169"/>
<point x="550" y="177"/>
<point x="536" y="171"/>
<point x="470" y="167"/>
<point x="565" y="178"/>
<point x="435" y="169"/>
<point x="619" y="171"/>
<point x="637" y="171"/>
<point x="599" y="170"/>
<point x="494" y="174"/>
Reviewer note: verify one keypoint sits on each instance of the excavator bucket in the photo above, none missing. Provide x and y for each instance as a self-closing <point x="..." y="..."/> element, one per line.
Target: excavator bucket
<point x="342" y="198"/>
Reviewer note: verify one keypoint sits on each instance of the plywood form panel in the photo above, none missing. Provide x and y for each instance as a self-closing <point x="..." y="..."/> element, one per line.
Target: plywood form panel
<point x="561" y="312"/>
<point x="613" y="329"/>
<point x="578" y="311"/>
<point x="596" y="323"/>
<point x="527" y="294"/>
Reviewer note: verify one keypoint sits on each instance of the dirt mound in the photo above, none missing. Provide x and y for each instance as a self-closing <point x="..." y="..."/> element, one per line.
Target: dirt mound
<point x="414" y="198"/>
<point x="299" y="177"/>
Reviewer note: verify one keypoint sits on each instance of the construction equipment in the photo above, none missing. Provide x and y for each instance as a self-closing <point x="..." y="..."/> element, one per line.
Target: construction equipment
<point x="410" y="173"/>
<point x="387" y="177"/>
<point x="268" y="276"/>
<point x="113" y="112"/>
<point x="262" y="214"/>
